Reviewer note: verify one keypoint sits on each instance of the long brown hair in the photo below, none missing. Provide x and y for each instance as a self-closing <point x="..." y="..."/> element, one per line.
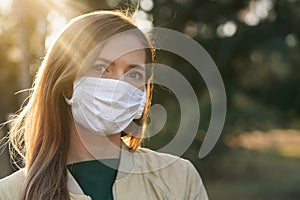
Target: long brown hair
<point x="40" y="133"/>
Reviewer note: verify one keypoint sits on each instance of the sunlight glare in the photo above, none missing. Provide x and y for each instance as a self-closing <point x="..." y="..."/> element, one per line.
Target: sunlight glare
<point x="5" y="6"/>
<point x="56" y="23"/>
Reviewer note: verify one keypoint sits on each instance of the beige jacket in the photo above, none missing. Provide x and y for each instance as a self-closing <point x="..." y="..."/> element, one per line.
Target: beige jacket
<point x="144" y="174"/>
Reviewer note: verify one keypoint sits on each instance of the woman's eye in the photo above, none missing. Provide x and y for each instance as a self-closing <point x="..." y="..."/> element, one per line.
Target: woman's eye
<point x="100" y="68"/>
<point x="135" y="75"/>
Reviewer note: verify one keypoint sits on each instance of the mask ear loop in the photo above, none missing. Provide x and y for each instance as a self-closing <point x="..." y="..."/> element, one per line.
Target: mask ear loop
<point x="68" y="101"/>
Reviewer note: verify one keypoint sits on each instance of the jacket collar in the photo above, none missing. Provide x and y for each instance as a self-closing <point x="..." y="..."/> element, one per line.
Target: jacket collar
<point x="125" y="167"/>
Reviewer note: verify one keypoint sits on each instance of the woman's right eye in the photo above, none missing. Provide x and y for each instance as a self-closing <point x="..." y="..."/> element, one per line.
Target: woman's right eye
<point x="100" y="68"/>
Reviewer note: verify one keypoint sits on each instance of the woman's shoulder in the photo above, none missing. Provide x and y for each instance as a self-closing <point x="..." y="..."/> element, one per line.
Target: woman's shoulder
<point x="13" y="179"/>
<point x="11" y="186"/>
<point x="158" y="161"/>
<point x="177" y="174"/>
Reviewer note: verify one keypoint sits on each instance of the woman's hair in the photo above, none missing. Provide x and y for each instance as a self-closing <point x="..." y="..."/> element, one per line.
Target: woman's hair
<point x="40" y="133"/>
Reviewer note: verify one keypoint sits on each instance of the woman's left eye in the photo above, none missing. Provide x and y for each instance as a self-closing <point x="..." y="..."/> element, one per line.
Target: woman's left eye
<point x="135" y="75"/>
<point x="100" y="68"/>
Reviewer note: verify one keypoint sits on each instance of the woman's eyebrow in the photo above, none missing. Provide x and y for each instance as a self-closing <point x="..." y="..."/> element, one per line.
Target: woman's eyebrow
<point x="141" y="67"/>
<point x="104" y="60"/>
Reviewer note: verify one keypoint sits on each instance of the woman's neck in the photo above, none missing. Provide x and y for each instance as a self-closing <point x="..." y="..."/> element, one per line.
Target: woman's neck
<point x="85" y="145"/>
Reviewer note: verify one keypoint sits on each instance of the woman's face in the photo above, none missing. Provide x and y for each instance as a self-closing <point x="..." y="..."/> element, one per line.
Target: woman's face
<point x="122" y="58"/>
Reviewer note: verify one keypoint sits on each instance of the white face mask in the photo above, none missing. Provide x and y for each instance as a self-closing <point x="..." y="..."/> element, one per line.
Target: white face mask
<point x="106" y="106"/>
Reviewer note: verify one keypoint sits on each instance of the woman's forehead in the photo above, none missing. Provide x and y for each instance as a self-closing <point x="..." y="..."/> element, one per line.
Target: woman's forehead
<point x="120" y="45"/>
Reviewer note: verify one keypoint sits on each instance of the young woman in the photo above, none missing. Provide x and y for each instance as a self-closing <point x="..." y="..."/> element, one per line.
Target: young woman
<point x="80" y="133"/>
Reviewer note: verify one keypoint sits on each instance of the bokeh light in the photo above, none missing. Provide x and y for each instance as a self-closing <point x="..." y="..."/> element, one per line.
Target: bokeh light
<point x="227" y="30"/>
<point x="191" y="29"/>
<point x="147" y="5"/>
<point x="113" y="3"/>
<point x="256" y="12"/>
<point x="291" y="40"/>
<point x="143" y="20"/>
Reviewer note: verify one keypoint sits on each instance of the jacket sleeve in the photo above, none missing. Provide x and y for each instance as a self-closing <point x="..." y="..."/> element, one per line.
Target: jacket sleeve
<point x="11" y="186"/>
<point x="195" y="188"/>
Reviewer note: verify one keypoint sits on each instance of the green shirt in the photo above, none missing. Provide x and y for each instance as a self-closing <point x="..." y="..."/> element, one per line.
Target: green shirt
<point x="95" y="177"/>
